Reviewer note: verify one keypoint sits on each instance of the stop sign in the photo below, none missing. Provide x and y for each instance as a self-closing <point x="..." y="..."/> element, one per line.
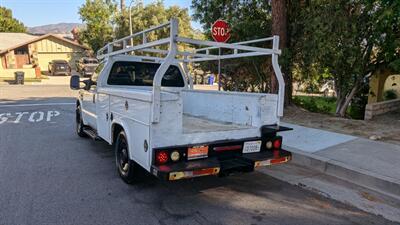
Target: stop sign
<point x="220" y="31"/>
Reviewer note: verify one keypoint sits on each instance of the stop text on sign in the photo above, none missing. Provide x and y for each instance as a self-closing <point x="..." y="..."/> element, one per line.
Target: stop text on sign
<point x="221" y="31"/>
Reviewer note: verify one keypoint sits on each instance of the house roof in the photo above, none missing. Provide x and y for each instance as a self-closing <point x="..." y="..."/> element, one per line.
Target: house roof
<point x="8" y="40"/>
<point x="11" y="41"/>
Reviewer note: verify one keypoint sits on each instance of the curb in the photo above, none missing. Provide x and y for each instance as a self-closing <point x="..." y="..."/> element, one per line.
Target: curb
<point x="377" y="182"/>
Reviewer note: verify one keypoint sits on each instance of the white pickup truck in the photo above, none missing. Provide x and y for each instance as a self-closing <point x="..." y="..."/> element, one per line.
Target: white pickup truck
<point x="145" y="106"/>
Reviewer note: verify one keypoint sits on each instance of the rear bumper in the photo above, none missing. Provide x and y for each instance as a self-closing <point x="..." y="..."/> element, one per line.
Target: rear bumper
<point x="214" y="166"/>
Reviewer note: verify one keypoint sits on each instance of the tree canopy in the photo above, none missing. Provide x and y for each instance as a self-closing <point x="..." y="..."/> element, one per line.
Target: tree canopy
<point x="8" y="23"/>
<point x="99" y="18"/>
<point x="248" y="20"/>
<point x="336" y="40"/>
<point x="348" y="40"/>
<point x="104" y="22"/>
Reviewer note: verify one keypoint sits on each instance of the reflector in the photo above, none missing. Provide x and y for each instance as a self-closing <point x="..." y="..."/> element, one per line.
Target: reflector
<point x="227" y="148"/>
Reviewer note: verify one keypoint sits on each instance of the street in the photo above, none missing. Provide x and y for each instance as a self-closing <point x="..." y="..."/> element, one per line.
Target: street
<point x="49" y="175"/>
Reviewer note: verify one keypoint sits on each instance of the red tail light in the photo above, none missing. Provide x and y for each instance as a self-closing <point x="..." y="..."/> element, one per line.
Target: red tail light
<point x="277" y="143"/>
<point x="161" y="157"/>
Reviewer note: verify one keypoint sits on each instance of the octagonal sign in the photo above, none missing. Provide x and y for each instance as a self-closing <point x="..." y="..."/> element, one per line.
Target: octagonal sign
<point x="220" y="31"/>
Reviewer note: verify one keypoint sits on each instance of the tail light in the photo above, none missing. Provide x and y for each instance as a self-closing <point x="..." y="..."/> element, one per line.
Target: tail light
<point x="277" y="143"/>
<point x="162" y="157"/>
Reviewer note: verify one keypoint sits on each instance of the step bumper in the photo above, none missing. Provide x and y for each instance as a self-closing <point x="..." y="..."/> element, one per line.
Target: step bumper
<point x="215" y="166"/>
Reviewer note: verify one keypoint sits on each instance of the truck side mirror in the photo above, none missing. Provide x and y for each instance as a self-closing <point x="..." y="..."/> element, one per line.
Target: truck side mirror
<point x="74" y="83"/>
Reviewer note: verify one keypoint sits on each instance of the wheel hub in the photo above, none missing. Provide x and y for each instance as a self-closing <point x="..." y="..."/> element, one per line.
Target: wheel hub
<point x="124" y="161"/>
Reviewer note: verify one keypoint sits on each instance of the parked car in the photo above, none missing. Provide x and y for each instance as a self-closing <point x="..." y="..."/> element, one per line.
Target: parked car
<point x="59" y="67"/>
<point x="328" y="89"/>
<point x="86" y="66"/>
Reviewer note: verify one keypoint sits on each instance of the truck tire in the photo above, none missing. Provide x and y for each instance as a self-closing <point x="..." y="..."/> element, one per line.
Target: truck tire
<point x="79" y="122"/>
<point x="128" y="170"/>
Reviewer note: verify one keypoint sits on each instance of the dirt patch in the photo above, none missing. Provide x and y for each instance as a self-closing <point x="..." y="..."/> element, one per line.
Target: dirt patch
<point x="383" y="128"/>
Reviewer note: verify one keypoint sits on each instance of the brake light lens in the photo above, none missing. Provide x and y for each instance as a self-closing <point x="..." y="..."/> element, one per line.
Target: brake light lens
<point x="161" y="157"/>
<point x="277" y="143"/>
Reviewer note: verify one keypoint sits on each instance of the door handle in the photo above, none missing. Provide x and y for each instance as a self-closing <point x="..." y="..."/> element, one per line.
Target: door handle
<point x="94" y="98"/>
<point x="106" y="116"/>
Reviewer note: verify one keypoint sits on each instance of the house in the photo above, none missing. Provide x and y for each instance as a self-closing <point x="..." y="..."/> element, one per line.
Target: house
<point x="22" y="52"/>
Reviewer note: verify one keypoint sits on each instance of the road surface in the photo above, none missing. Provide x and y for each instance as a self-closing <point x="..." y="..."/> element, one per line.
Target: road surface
<point x="48" y="175"/>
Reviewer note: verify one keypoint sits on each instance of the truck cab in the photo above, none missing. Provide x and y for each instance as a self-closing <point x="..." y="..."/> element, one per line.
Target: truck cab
<point x="147" y="109"/>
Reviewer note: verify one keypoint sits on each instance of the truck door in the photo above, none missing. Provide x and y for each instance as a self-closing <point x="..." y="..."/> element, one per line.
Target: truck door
<point x="103" y="116"/>
<point x="89" y="106"/>
<point x="89" y="99"/>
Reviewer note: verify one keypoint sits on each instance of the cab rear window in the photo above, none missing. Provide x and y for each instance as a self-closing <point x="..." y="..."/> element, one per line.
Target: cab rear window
<point x="142" y="74"/>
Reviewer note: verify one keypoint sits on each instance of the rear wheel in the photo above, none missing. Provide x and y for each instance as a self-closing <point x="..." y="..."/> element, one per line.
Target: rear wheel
<point x="79" y="122"/>
<point x="128" y="170"/>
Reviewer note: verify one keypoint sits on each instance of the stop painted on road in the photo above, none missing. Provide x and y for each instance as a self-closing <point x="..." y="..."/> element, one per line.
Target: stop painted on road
<point x="33" y="117"/>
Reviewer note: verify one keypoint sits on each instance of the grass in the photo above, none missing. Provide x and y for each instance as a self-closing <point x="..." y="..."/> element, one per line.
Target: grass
<point x="317" y="104"/>
<point x="326" y="105"/>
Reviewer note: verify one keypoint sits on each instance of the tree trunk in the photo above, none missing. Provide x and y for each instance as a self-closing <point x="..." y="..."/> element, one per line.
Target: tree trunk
<point x="344" y="102"/>
<point x="122" y="5"/>
<point x="279" y="27"/>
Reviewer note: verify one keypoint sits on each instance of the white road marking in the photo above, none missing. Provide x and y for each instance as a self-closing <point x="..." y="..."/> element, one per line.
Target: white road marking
<point x="5" y="118"/>
<point x="51" y="114"/>
<point x="19" y="116"/>
<point x="33" y="117"/>
<point x="38" y="104"/>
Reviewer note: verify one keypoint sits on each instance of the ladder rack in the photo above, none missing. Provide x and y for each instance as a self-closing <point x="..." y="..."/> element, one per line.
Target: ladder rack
<point x="199" y="53"/>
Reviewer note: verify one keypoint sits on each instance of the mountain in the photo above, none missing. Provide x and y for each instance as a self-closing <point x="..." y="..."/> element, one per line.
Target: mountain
<point x="59" y="28"/>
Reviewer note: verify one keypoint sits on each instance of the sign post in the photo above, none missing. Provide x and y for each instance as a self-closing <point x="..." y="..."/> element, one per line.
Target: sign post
<point x="221" y="32"/>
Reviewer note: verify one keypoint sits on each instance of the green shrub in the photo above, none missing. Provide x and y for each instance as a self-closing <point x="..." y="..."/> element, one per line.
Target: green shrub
<point x="389" y="95"/>
<point x="316" y="104"/>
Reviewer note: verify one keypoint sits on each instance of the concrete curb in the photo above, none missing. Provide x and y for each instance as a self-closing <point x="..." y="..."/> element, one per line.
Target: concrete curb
<point x="377" y="182"/>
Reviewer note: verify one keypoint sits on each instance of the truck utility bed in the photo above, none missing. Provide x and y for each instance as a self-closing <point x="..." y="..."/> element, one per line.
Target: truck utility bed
<point x="197" y="116"/>
<point x="195" y="124"/>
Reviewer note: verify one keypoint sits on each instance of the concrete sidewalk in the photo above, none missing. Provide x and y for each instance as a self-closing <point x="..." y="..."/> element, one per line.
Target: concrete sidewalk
<point x="52" y="80"/>
<point x="370" y="164"/>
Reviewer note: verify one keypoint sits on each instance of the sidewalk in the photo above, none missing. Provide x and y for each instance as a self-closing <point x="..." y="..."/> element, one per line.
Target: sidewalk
<point x="371" y="164"/>
<point x="56" y="80"/>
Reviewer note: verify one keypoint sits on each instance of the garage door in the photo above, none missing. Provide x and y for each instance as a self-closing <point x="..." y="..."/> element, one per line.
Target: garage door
<point x="45" y="58"/>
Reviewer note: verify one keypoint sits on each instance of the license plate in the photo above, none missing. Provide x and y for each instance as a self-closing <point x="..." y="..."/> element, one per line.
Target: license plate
<point x="198" y="152"/>
<point x="251" y="146"/>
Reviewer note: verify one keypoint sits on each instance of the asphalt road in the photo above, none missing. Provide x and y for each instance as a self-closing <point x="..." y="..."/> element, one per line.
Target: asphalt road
<point x="48" y="175"/>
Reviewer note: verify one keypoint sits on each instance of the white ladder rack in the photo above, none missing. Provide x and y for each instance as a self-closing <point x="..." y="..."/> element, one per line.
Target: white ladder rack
<point x="197" y="54"/>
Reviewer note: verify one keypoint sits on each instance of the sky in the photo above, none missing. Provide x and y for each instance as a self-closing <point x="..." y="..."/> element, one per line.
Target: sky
<point x="41" y="12"/>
